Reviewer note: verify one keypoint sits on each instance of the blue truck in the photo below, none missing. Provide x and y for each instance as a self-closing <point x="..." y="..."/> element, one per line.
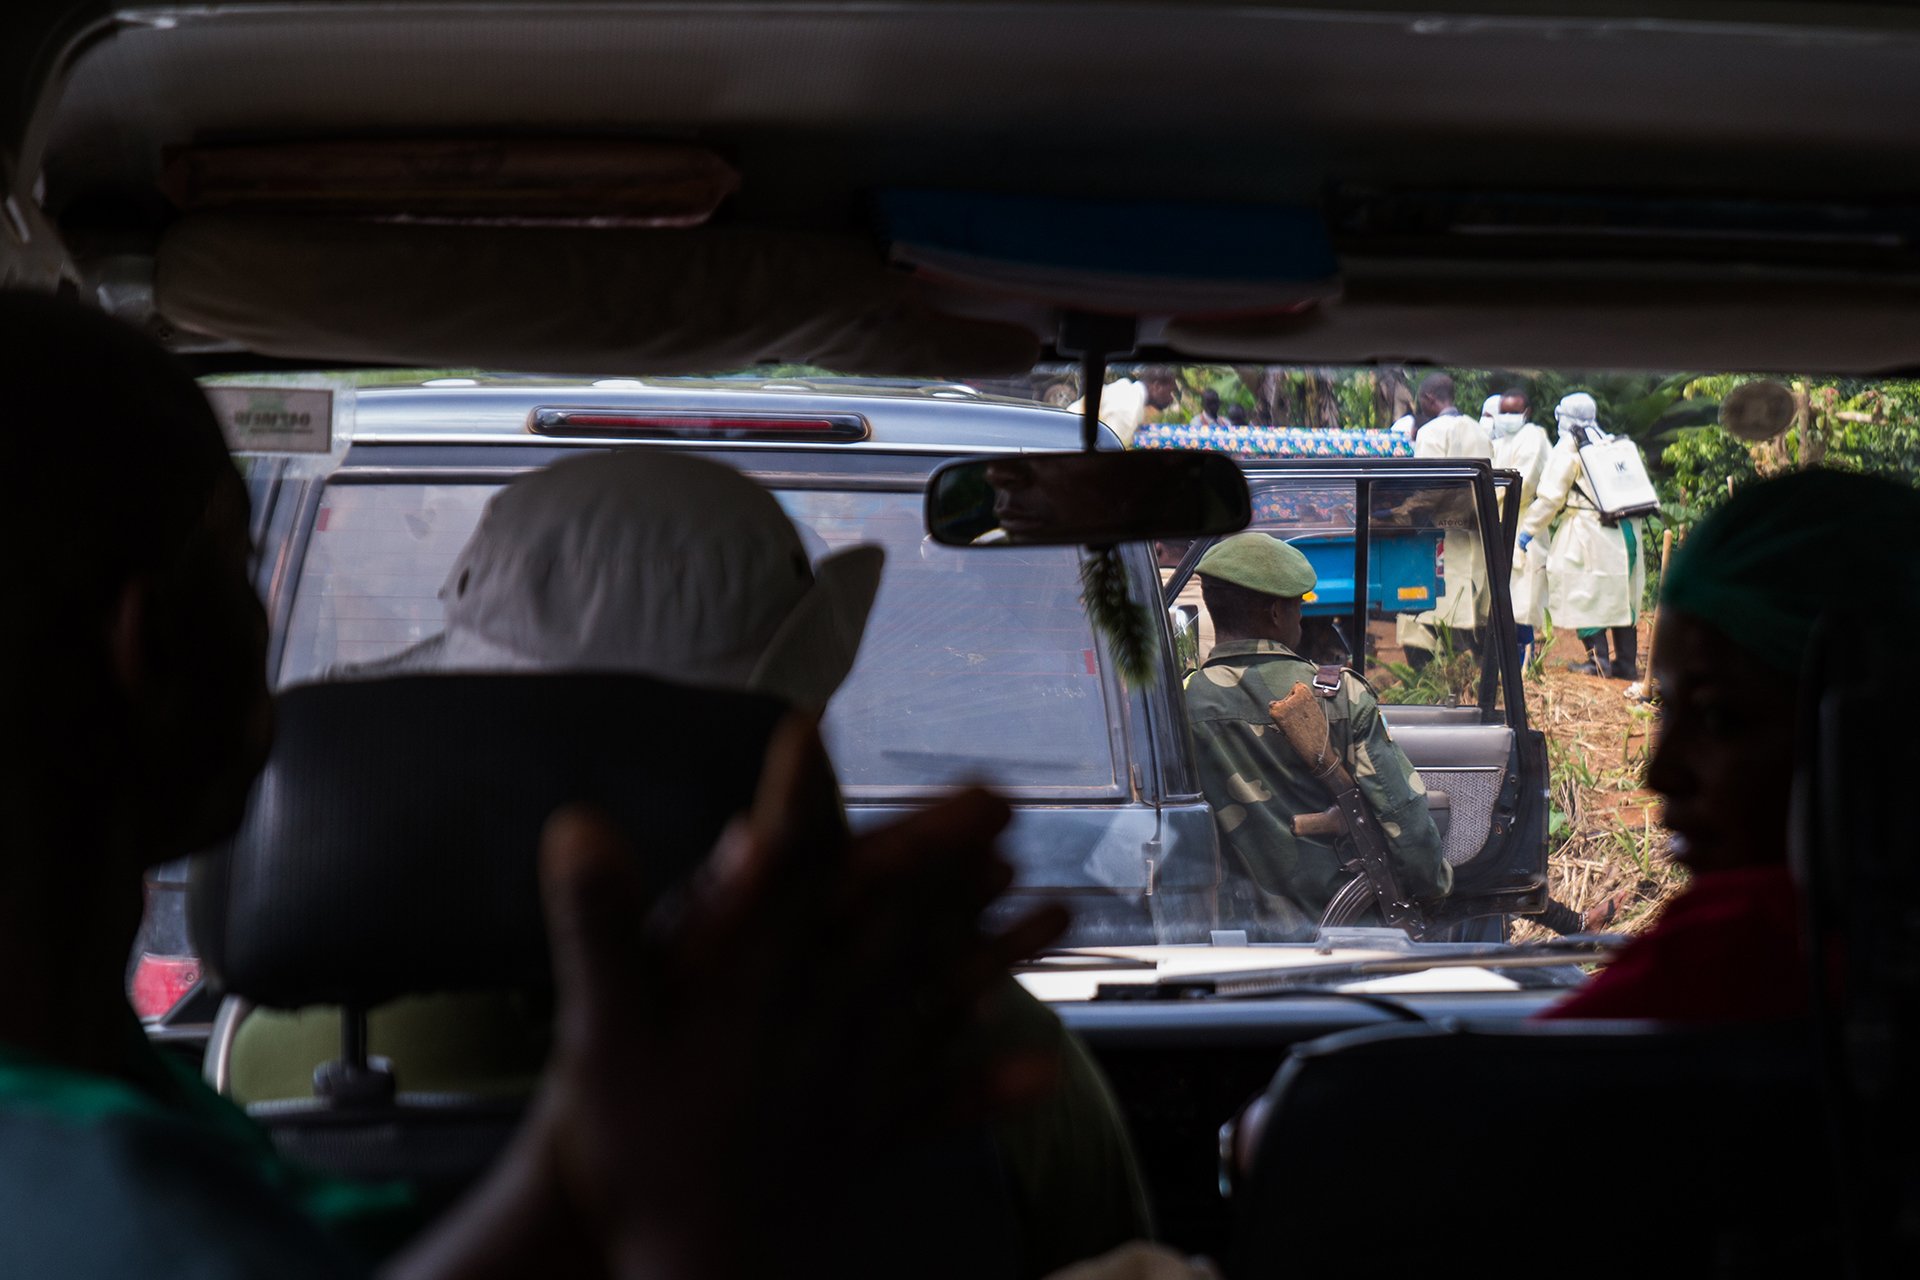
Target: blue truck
<point x="1406" y="555"/>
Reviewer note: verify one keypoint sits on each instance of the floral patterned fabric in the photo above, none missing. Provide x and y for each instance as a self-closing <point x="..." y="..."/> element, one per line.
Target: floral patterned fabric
<point x="1274" y="442"/>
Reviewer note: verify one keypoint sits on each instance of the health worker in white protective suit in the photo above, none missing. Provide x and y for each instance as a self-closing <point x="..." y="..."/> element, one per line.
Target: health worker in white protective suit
<point x="1596" y="571"/>
<point x="1522" y="446"/>
<point x="1445" y="432"/>
<point x="1124" y="402"/>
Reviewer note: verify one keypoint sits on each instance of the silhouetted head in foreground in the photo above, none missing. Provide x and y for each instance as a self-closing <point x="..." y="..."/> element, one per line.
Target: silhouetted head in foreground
<point x="133" y="665"/>
<point x="1738" y="608"/>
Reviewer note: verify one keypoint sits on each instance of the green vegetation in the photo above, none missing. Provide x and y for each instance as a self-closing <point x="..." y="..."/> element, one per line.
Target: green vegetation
<point x="1853" y="423"/>
<point x="1536" y="668"/>
<point x="1849" y="423"/>
<point x="1449" y="678"/>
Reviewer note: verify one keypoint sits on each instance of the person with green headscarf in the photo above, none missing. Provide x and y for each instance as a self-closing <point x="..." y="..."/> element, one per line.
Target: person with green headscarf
<point x="1738" y="610"/>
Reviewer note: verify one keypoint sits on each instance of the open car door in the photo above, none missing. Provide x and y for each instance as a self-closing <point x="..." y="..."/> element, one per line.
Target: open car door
<point x="1432" y="632"/>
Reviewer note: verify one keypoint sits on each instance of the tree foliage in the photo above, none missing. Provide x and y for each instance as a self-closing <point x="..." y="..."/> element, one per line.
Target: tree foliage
<point x="1851" y="423"/>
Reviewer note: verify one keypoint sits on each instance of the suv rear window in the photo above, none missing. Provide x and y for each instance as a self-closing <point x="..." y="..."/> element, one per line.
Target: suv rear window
<point x="973" y="668"/>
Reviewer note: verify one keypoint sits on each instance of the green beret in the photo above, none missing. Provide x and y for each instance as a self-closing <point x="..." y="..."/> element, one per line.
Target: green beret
<point x="1259" y="562"/>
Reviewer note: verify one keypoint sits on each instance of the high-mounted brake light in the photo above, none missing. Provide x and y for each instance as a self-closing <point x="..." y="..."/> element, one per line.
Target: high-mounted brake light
<point x="834" y="427"/>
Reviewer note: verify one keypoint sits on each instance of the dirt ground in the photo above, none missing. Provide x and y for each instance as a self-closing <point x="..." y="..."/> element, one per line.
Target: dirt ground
<point x="1598" y="742"/>
<point x="1608" y="844"/>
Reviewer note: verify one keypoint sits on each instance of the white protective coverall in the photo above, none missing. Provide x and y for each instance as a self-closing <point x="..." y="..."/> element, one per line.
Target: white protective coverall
<point x="1519" y="445"/>
<point x="1123" y="406"/>
<point x="1452" y="435"/>
<point x="1591" y="580"/>
<point x="1463" y="602"/>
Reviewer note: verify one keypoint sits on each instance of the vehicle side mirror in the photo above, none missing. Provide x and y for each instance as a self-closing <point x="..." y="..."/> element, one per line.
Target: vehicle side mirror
<point x="1086" y="499"/>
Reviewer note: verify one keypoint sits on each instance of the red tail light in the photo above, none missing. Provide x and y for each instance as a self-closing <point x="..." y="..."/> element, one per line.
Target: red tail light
<point x="835" y="427"/>
<point x="161" y="982"/>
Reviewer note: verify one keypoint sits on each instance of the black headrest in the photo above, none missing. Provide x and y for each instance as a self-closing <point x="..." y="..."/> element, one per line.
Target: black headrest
<point x="1721" y="1125"/>
<point x="390" y="845"/>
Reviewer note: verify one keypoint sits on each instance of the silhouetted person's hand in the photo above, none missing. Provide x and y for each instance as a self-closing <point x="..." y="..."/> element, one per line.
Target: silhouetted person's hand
<point x="737" y="1057"/>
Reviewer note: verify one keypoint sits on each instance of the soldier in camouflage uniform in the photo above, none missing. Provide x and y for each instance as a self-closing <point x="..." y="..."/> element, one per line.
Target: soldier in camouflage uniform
<point x="1274" y="883"/>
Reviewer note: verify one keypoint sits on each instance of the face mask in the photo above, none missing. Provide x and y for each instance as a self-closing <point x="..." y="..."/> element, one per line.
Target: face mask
<point x="1506" y="424"/>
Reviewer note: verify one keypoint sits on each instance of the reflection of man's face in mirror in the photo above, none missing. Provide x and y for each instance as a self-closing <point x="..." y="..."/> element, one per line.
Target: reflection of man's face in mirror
<point x="1066" y="495"/>
<point x="1161" y="392"/>
<point x="1020" y="504"/>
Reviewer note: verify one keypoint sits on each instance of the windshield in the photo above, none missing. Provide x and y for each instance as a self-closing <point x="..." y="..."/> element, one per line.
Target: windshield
<point x="1473" y="639"/>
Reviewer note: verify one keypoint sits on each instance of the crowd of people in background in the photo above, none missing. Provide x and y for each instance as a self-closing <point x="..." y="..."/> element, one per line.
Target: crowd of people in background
<point x="1573" y="563"/>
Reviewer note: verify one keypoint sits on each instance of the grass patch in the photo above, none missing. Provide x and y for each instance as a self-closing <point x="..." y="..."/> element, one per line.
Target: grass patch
<point x="1449" y="678"/>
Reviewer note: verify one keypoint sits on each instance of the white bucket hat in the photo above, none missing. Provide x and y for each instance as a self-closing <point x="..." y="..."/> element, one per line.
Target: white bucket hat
<point x="655" y="563"/>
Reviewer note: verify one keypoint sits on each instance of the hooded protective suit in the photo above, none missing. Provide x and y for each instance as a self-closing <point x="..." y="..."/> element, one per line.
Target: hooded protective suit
<point x="1489" y="410"/>
<point x="1595" y="575"/>
<point x="1463" y="602"/>
<point x="1522" y="446"/>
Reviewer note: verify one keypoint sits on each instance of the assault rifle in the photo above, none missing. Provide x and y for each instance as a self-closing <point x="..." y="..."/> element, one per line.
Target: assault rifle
<point x="1304" y="726"/>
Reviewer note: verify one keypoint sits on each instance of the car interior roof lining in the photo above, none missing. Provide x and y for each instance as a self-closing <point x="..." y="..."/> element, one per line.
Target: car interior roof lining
<point x="820" y="105"/>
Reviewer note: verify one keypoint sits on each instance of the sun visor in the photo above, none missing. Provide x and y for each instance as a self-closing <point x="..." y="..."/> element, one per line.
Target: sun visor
<point x="563" y="300"/>
<point x="1143" y="258"/>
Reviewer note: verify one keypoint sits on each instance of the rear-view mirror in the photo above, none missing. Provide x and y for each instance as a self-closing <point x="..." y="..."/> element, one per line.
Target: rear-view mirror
<point x="1051" y="499"/>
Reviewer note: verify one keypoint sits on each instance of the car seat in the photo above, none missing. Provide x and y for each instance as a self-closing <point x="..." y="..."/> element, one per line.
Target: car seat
<point x="1853" y="851"/>
<point x="1411" y="1148"/>
<point x="388" y="854"/>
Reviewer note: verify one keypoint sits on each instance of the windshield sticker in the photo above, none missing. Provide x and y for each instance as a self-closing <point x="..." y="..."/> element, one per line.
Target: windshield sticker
<point x="274" y="419"/>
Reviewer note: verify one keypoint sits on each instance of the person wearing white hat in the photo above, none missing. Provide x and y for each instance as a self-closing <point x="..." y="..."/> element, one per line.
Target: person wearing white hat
<point x="658" y="564"/>
<point x="671" y="566"/>
<point x="1596" y="572"/>
<point x="1522" y="446"/>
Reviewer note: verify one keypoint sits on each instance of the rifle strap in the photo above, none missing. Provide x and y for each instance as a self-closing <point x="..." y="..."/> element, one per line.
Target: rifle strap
<point x="1326" y="680"/>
